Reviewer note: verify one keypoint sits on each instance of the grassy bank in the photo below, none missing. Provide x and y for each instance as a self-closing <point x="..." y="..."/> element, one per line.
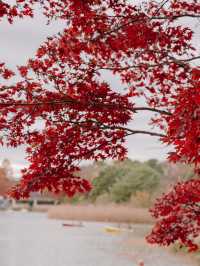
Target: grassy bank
<point x="195" y="256"/>
<point x="109" y="213"/>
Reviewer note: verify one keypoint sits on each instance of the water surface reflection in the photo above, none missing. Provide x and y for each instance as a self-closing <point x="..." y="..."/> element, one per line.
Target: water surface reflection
<point x="30" y="239"/>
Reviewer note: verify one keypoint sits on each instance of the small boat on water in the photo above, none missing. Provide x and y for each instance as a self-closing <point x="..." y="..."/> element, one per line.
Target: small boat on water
<point x="72" y="224"/>
<point x="110" y="229"/>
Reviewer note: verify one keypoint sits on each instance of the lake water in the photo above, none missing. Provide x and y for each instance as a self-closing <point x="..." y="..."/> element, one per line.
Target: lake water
<point x="30" y="239"/>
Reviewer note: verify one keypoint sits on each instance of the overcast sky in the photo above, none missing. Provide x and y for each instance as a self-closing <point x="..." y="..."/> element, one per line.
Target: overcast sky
<point x="18" y="43"/>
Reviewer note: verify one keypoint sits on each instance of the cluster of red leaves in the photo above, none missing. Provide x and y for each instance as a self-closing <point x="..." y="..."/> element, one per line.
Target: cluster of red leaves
<point x="64" y="111"/>
<point x="20" y="9"/>
<point x="5" y="73"/>
<point x="179" y="214"/>
<point x="184" y="125"/>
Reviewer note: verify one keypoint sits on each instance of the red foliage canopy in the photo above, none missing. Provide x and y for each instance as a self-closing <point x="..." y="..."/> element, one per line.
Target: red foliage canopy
<point x="82" y="117"/>
<point x="180" y="210"/>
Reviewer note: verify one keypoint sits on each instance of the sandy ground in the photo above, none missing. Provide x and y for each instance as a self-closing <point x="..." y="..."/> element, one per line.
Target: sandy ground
<point x="137" y="249"/>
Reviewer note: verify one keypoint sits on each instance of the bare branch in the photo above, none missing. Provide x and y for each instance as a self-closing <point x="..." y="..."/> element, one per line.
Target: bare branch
<point x="163" y="3"/>
<point x="135" y="109"/>
<point x="143" y="132"/>
<point x="94" y="124"/>
<point x="176" y="16"/>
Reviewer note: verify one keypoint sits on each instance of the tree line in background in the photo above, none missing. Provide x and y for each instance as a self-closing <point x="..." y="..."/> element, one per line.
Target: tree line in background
<point x="6" y="177"/>
<point x="130" y="181"/>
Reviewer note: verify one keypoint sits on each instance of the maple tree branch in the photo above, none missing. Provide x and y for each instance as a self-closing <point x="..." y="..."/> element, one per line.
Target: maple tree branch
<point x="176" y="16"/>
<point x="173" y="17"/>
<point x="135" y="109"/>
<point x="163" y="3"/>
<point x="181" y="62"/>
<point x="103" y="126"/>
<point x="184" y="61"/>
<point x="143" y="132"/>
<point x="147" y="19"/>
<point x="72" y="101"/>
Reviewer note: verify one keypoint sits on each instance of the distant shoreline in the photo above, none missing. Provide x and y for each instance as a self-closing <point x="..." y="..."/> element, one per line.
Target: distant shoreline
<point x="100" y="213"/>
